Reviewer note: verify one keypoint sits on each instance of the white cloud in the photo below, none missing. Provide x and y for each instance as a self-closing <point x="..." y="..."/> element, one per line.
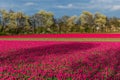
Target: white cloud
<point x="98" y="5"/>
<point x="111" y="5"/>
<point x="68" y="6"/>
<point x="104" y="1"/>
<point x="29" y="4"/>
<point x="115" y="7"/>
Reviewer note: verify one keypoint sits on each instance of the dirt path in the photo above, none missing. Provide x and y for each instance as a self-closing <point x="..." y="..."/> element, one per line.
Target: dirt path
<point x="63" y="39"/>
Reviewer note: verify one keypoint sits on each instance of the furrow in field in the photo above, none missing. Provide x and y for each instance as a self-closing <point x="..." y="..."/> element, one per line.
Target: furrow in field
<point x="63" y="39"/>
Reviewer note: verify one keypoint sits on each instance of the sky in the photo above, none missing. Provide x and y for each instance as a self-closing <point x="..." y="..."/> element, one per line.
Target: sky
<point x="63" y="7"/>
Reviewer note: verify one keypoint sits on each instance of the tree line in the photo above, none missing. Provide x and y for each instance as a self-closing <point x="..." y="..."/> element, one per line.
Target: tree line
<point x="44" y="22"/>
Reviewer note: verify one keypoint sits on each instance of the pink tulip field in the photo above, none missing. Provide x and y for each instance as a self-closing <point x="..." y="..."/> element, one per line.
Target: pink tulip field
<point x="52" y="60"/>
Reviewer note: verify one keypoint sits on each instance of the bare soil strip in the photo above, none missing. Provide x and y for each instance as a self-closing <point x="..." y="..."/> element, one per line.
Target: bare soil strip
<point x="63" y="39"/>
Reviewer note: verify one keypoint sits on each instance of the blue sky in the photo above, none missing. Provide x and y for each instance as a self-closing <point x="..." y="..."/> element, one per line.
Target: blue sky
<point x="63" y="7"/>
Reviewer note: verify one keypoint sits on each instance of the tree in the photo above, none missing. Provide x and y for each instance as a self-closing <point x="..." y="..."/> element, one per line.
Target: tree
<point x="100" y="21"/>
<point x="71" y="23"/>
<point x="4" y="19"/>
<point x="42" y="19"/>
<point x="11" y="26"/>
<point x="62" y="23"/>
<point x="46" y="20"/>
<point x="22" y="22"/>
<point x="0" y="22"/>
<point x="86" y="20"/>
<point x="33" y="21"/>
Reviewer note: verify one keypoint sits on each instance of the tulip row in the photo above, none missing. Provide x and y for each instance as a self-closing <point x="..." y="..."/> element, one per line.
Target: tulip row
<point x="64" y="36"/>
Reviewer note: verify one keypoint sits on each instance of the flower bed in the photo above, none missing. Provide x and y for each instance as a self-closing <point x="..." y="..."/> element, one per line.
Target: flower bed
<point x="64" y="36"/>
<point x="43" y="60"/>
